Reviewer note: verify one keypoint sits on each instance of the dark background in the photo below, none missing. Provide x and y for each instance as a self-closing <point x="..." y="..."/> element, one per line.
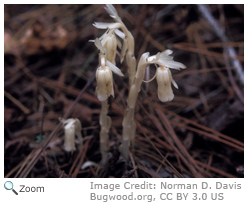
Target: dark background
<point x="48" y="60"/>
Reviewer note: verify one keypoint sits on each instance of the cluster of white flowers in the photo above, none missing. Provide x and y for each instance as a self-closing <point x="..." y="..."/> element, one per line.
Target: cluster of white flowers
<point x="108" y="43"/>
<point x="118" y="36"/>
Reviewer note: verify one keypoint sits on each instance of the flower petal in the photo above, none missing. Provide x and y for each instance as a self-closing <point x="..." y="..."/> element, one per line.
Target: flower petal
<point x="163" y="78"/>
<point x="111" y="46"/>
<point x="166" y="53"/>
<point x="78" y="130"/>
<point x="163" y="59"/>
<point x="102" y="25"/>
<point x="69" y="138"/>
<point x="174" y="84"/>
<point x="173" y="64"/>
<point x="98" y="44"/>
<point x="104" y="83"/>
<point x="114" y="68"/>
<point x="112" y="11"/>
<point x="120" y="33"/>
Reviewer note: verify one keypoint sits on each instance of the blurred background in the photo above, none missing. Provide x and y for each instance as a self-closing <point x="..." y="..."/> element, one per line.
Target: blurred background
<point x="48" y="61"/>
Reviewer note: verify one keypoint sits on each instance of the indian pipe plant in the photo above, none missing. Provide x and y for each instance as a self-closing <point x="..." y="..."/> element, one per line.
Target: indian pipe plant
<point x="117" y="35"/>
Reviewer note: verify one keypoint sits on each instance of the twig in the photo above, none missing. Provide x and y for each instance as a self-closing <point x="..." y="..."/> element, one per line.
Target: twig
<point x="175" y="138"/>
<point x="145" y="169"/>
<point x="17" y="103"/>
<point x="133" y="163"/>
<point x="14" y="169"/>
<point x="164" y="158"/>
<point x="207" y="97"/>
<point x="157" y="123"/>
<point x="77" y="169"/>
<point x="218" y="171"/>
<point x="210" y="53"/>
<point x="208" y="16"/>
<point x="211" y="45"/>
<point x="227" y="138"/>
<point x="234" y="84"/>
<point x="217" y="138"/>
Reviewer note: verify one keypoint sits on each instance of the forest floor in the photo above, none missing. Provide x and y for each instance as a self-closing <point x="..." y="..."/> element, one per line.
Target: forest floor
<point x="49" y="62"/>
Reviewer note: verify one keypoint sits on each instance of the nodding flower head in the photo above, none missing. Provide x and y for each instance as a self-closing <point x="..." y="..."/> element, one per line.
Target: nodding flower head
<point x="72" y="128"/>
<point x="104" y="74"/>
<point x="163" y="74"/>
<point x="111" y="47"/>
<point x="113" y="31"/>
<point x="164" y="80"/>
<point x="104" y="83"/>
<point x="109" y="40"/>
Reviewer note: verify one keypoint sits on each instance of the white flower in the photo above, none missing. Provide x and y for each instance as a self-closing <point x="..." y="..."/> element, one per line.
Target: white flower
<point x="72" y="128"/>
<point x="104" y="83"/>
<point x="164" y="81"/>
<point x="163" y="74"/>
<point x="105" y="80"/>
<point x="109" y="41"/>
<point x="104" y="74"/>
<point x="114" y="29"/>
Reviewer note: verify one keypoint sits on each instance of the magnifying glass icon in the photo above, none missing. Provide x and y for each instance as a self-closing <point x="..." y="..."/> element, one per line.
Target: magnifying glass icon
<point x="9" y="186"/>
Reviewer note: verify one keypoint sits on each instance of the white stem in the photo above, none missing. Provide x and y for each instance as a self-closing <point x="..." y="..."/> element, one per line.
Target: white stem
<point x="130" y="57"/>
<point x="129" y="125"/>
<point x="105" y="124"/>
